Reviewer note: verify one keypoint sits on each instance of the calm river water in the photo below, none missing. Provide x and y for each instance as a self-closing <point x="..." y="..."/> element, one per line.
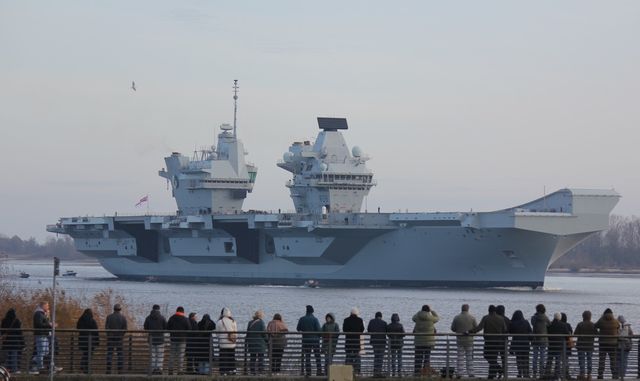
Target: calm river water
<point x="571" y="294"/>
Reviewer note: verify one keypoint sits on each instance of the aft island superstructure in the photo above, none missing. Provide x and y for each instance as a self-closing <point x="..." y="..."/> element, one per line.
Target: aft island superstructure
<point x="328" y="238"/>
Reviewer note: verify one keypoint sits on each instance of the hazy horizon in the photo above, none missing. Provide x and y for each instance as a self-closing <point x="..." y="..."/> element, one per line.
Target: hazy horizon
<point x="461" y="105"/>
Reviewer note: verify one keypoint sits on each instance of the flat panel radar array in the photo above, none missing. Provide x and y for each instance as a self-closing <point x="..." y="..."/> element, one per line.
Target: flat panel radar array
<point x="332" y="124"/>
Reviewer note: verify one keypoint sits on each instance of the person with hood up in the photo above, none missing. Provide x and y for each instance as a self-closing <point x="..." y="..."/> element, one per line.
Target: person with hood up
<point x="353" y="326"/>
<point x="378" y="340"/>
<point x="12" y="340"/>
<point x="203" y="348"/>
<point x="193" y="337"/>
<point x="310" y="328"/>
<point x="492" y="324"/>
<point x="227" y="336"/>
<point x="539" y="324"/>
<point x="395" y="331"/>
<point x="520" y="329"/>
<point x="41" y="332"/>
<point x="559" y="332"/>
<point x="116" y="327"/>
<point x="586" y="331"/>
<point x="330" y="334"/>
<point x="425" y="339"/>
<point x="625" y="333"/>
<point x="256" y="342"/>
<point x="462" y="323"/>
<point x="88" y="338"/>
<point x="157" y="324"/>
<point x="608" y="332"/>
<point x="277" y="335"/>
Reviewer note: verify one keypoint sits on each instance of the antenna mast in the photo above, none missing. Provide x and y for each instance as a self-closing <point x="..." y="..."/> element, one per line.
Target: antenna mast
<point x="235" y="105"/>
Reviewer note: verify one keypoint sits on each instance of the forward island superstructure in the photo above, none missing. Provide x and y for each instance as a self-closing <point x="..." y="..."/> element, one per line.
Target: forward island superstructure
<point x="328" y="238"/>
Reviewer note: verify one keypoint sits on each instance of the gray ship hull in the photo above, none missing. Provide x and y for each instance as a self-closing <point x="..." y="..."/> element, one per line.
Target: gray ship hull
<point x="507" y="248"/>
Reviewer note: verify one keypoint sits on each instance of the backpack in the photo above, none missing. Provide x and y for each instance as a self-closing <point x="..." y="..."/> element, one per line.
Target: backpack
<point x="625" y="341"/>
<point x="231" y="336"/>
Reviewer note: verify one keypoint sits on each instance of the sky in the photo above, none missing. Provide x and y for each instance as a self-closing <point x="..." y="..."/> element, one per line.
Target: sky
<point x="461" y="105"/>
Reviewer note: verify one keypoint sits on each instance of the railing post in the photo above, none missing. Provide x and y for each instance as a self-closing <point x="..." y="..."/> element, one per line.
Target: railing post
<point x="270" y="353"/>
<point x="210" y="354"/>
<point x="447" y="359"/>
<point x="505" y="358"/>
<point x="130" y="354"/>
<point x="245" y="370"/>
<point x="620" y="359"/>
<point x="389" y="357"/>
<point x="72" y="344"/>
<point x="563" y="359"/>
<point x="89" y="354"/>
<point x="638" y="363"/>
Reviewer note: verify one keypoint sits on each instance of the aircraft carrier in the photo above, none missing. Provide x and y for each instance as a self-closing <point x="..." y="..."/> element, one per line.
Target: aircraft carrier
<point x="328" y="238"/>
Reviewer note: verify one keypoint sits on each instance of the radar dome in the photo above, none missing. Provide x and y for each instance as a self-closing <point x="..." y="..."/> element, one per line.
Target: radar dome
<point x="287" y="157"/>
<point x="225" y="127"/>
<point x="356" y="151"/>
<point x="324" y="167"/>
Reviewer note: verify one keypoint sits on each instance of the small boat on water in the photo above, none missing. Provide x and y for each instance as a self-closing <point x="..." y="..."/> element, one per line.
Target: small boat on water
<point x="24" y="275"/>
<point x="70" y="273"/>
<point x="311" y="283"/>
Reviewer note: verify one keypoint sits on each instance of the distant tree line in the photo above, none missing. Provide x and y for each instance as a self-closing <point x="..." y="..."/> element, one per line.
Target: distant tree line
<point x="616" y="248"/>
<point x="17" y="248"/>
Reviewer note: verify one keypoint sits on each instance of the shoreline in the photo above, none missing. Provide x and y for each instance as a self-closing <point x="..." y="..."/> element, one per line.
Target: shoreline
<point x="550" y="272"/>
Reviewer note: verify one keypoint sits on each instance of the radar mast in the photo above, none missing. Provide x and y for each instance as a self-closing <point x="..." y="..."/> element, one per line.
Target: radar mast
<point x="235" y="105"/>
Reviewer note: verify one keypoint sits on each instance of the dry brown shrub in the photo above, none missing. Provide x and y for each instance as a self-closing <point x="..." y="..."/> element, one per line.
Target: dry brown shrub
<point x="68" y="308"/>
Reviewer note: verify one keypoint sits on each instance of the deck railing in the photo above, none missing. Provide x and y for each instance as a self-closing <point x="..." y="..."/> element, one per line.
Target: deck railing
<point x="131" y="352"/>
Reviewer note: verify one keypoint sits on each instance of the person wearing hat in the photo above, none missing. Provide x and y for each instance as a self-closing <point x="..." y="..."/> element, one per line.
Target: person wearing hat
<point x="310" y="328"/>
<point x="116" y="327"/>
<point x="353" y="326"/>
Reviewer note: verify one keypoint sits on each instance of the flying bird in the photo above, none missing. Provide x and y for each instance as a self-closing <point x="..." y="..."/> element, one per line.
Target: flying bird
<point x="133" y="85"/>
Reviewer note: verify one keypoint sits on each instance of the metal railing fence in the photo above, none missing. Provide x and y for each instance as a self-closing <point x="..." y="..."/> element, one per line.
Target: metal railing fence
<point x="294" y="354"/>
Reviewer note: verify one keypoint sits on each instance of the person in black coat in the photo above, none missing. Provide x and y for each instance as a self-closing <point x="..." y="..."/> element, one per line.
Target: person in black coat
<point x="500" y="311"/>
<point x="378" y="339"/>
<point x="12" y="339"/>
<point x="157" y="324"/>
<point x="178" y="327"/>
<point x="559" y="333"/>
<point x="88" y="338"/>
<point x="569" y="346"/>
<point x="396" y="342"/>
<point x="192" y="344"/>
<point x="205" y="327"/>
<point x="355" y="325"/>
<point x="520" y="329"/>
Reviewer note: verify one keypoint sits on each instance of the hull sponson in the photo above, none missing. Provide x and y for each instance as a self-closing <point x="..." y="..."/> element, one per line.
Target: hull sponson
<point x="507" y="248"/>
